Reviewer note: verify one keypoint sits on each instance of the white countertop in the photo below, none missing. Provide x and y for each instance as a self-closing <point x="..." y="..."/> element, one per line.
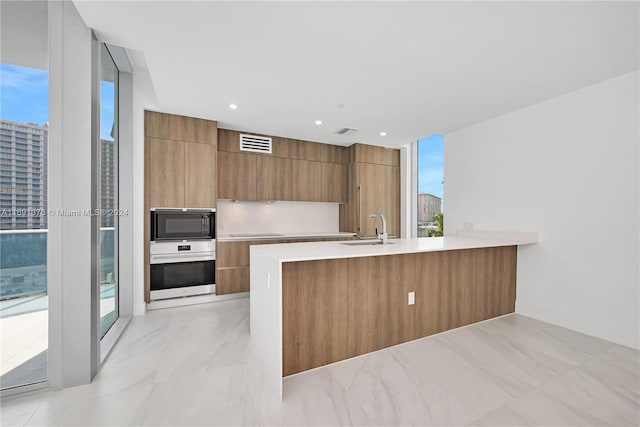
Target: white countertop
<point x="330" y="250"/>
<point x="282" y="236"/>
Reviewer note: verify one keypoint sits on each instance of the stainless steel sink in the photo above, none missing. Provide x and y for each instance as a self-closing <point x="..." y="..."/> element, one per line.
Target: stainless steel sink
<point x="367" y="243"/>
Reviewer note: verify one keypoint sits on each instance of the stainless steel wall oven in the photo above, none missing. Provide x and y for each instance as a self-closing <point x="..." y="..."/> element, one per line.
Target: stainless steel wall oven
<point x="182" y="253"/>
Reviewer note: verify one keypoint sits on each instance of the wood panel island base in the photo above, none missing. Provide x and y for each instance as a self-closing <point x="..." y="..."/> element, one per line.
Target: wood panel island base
<point x="313" y="304"/>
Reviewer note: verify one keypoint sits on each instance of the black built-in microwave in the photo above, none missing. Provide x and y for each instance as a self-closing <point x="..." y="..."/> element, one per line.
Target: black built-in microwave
<point x="182" y="224"/>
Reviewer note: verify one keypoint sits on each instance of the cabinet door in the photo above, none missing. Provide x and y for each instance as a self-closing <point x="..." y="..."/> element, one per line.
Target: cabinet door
<point x="373" y="154"/>
<point x="274" y="178"/>
<point x="232" y="280"/>
<point x="156" y="125"/>
<point x="334" y="183"/>
<point x="184" y="128"/>
<point x="233" y="254"/>
<point x="377" y="191"/>
<point x="200" y="175"/>
<point x="236" y="176"/>
<point x="166" y="173"/>
<point x="307" y="181"/>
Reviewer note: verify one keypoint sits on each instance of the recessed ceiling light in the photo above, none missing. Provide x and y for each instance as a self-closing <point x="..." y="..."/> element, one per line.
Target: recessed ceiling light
<point x="318" y="122"/>
<point x="233" y="106"/>
<point x="383" y="133"/>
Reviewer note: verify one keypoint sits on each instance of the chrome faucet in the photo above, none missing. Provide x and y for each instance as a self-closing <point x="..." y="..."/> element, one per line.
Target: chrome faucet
<point x="383" y="237"/>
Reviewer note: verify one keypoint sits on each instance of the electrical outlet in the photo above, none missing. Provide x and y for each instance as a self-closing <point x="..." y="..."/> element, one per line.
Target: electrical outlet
<point x="268" y="280"/>
<point x="412" y="298"/>
<point x="468" y="225"/>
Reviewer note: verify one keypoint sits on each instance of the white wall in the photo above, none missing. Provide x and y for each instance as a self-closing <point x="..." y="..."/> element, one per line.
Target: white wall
<point x="567" y="168"/>
<point x="143" y="97"/>
<point x="73" y="300"/>
<point x="276" y="217"/>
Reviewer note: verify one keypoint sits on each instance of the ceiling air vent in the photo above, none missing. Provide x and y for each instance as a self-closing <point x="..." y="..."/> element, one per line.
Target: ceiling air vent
<point x="346" y="131"/>
<point x="255" y="144"/>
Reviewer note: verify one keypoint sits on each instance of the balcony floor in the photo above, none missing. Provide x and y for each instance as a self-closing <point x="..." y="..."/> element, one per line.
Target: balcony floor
<point x="24" y="323"/>
<point x="24" y="336"/>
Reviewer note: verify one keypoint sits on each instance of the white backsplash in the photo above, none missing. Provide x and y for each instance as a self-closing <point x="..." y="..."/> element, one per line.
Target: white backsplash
<point x="276" y="217"/>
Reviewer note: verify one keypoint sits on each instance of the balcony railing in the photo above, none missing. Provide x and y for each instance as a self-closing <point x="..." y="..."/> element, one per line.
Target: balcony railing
<point x="23" y="261"/>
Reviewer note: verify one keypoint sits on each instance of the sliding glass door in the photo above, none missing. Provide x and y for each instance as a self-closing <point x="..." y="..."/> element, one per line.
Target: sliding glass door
<point x="108" y="192"/>
<point x="24" y="130"/>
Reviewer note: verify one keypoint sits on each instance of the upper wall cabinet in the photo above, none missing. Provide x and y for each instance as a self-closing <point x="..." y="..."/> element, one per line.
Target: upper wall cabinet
<point x="165" y="172"/>
<point x="363" y="153"/>
<point x="236" y="176"/>
<point x="181" y="155"/>
<point x="307" y="180"/>
<point x="294" y="170"/>
<point x="334" y="182"/>
<point x="274" y="178"/>
<point x="180" y="128"/>
<point x="199" y="175"/>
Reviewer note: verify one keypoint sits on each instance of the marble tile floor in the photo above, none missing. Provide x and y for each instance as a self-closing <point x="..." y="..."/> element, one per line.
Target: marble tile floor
<point x="196" y="366"/>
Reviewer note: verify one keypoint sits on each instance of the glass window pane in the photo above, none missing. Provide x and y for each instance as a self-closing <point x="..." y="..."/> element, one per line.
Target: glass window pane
<point x="430" y="186"/>
<point x="24" y="129"/>
<point x="108" y="192"/>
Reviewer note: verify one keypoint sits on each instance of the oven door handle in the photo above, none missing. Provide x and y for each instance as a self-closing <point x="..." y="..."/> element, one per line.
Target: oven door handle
<point x="173" y="259"/>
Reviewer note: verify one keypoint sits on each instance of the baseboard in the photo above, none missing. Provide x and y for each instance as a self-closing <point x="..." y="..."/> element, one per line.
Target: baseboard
<point x="200" y="299"/>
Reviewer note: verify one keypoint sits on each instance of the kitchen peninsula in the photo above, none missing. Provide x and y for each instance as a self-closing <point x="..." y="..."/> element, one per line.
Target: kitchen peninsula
<point x="312" y="304"/>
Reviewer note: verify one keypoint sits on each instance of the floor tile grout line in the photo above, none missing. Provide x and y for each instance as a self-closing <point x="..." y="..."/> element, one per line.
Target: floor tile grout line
<point x="542" y="384"/>
<point x="31" y="416"/>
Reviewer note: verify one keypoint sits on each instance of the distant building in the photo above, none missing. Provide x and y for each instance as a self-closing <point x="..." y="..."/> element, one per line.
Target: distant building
<point x="23" y="175"/>
<point x="107" y="181"/>
<point x="428" y="206"/>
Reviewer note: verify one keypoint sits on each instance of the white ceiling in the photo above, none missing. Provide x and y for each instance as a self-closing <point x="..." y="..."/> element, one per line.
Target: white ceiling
<point x="407" y="68"/>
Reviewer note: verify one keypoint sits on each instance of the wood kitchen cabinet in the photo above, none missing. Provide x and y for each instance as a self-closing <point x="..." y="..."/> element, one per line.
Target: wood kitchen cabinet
<point x="232" y="261"/>
<point x="180" y="158"/>
<point x="199" y="175"/>
<point x="307" y="181"/>
<point x="181" y="174"/>
<point x="294" y="170"/>
<point x="372" y="188"/>
<point x="232" y="280"/>
<point x="166" y="172"/>
<point x="180" y="128"/>
<point x="274" y="178"/>
<point x="363" y="153"/>
<point x="233" y="254"/>
<point x="378" y="192"/>
<point x="236" y="176"/>
<point x="335" y="309"/>
<point x="232" y="264"/>
<point x="334" y="182"/>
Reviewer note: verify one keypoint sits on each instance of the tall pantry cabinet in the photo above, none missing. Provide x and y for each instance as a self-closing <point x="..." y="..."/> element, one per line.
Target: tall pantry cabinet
<point x="180" y="156"/>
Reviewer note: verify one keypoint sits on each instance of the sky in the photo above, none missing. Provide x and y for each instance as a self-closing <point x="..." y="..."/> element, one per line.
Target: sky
<point x="431" y="164"/>
<point x="24" y="94"/>
<point x="24" y="97"/>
